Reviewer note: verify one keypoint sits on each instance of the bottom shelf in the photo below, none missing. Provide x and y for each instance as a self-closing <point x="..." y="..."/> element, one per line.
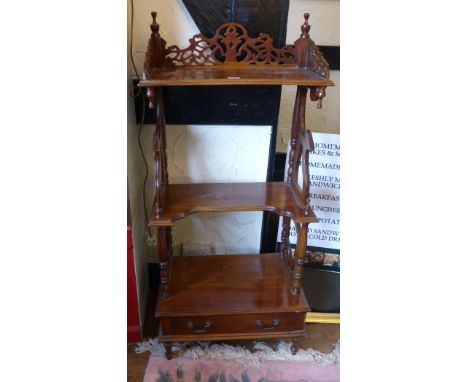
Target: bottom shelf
<point x="201" y="285"/>
<point x="230" y="297"/>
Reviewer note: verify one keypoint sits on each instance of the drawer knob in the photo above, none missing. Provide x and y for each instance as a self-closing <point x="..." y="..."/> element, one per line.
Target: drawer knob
<point x="192" y="327"/>
<point x="276" y="324"/>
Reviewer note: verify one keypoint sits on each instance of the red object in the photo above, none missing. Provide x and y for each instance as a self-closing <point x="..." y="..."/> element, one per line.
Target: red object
<point x="133" y="320"/>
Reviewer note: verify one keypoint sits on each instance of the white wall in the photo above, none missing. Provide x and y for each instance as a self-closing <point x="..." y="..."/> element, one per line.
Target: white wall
<point x="135" y="189"/>
<point x="324" y="20"/>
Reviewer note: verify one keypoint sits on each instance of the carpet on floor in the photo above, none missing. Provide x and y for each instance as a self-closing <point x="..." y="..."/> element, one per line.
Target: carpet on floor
<point x="228" y="363"/>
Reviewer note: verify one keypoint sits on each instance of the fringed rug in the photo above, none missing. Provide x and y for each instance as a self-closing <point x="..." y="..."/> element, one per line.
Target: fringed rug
<point x="228" y="363"/>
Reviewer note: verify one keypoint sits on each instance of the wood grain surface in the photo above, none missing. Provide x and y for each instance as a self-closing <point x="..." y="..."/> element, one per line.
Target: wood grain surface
<point x="231" y="284"/>
<point x="185" y="199"/>
<point x="225" y="75"/>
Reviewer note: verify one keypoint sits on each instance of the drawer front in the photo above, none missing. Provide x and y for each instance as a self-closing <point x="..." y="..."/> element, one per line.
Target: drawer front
<point x="234" y="323"/>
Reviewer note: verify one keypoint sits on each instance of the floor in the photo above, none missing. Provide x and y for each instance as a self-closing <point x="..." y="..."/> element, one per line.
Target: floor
<point x="321" y="337"/>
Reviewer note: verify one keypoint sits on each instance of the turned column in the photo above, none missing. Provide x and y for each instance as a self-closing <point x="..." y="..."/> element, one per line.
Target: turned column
<point x="299" y="256"/>
<point x="284" y="247"/>
<point x="163" y="255"/>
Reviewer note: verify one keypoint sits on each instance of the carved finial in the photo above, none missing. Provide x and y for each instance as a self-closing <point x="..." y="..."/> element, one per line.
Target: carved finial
<point x="154" y="26"/>
<point x="305" y="28"/>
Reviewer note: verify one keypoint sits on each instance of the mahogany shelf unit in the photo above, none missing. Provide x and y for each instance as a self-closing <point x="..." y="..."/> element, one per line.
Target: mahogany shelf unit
<point x="234" y="296"/>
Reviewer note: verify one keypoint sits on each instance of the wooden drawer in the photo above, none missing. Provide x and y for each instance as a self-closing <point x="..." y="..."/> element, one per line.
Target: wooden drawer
<point x="234" y="323"/>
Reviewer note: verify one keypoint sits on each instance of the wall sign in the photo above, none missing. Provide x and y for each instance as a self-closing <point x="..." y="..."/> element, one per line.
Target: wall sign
<point x="324" y="169"/>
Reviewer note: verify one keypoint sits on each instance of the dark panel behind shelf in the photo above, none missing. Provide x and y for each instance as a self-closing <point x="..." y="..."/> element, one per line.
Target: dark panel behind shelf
<point x="332" y="55"/>
<point x="257" y="16"/>
<point x="225" y="105"/>
<point x="209" y="14"/>
<point x="263" y="16"/>
<point x="218" y="105"/>
<point x="271" y="220"/>
<point x="280" y="165"/>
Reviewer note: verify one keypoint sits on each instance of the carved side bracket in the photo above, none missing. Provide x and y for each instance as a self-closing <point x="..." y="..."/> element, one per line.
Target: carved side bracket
<point x="306" y="145"/>
<point x="301" y="145"/>
<point x="159" y="149"/>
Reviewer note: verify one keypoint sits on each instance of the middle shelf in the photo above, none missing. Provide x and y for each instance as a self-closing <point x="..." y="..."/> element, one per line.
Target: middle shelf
<point x="184" y="199"/>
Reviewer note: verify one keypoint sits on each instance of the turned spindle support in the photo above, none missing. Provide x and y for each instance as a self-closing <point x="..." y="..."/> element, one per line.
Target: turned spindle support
<point x="284" y="247"/>
<point x="163" y="254"/>
<point x="299" y="257"/>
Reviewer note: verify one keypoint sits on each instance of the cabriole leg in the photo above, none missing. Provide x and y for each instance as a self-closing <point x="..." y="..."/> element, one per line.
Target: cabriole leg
<point x="295" y="345"/>
<point x="168" y="347"/>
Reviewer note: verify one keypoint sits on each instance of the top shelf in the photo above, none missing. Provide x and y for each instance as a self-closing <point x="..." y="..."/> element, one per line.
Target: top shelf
<point x="211" y="75"/>
<point x="232" y="57"/>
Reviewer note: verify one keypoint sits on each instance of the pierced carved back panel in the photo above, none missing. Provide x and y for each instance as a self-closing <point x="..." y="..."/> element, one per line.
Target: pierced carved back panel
<point x="231" y="44"/>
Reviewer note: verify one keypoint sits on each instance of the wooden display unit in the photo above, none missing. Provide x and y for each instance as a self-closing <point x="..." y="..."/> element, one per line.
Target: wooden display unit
<point x="237" y="296"/>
